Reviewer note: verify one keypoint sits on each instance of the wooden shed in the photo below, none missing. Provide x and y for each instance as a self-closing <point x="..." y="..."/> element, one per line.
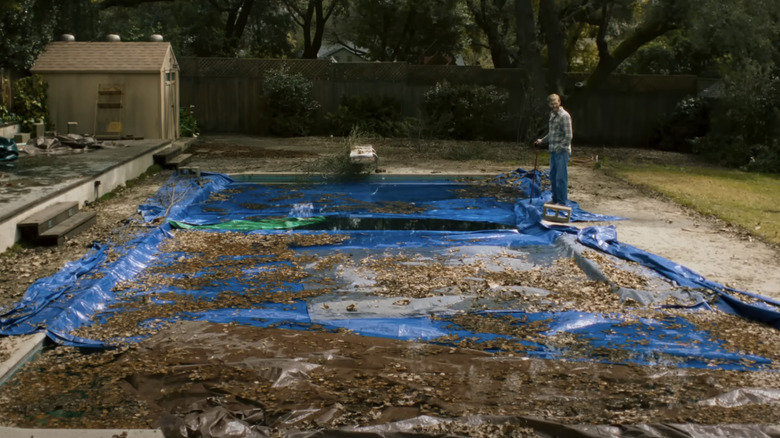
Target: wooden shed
<point x="112" y="89"/>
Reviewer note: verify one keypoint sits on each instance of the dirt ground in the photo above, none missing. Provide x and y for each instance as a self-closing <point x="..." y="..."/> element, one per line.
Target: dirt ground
<point x="396" y="380"/>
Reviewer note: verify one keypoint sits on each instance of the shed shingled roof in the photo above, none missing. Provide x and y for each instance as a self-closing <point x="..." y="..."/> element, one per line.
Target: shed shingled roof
<point x="128" y="57"/>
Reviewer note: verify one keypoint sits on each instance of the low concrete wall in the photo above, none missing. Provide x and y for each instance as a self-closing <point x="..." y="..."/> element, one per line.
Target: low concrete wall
<point x="87" y="189"/>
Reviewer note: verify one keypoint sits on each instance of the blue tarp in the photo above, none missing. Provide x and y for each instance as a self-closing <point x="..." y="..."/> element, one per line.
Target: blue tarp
<point x="82" y="293"/>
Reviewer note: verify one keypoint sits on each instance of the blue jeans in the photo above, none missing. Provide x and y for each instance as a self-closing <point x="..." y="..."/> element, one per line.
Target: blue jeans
<point x="559" y="177"/>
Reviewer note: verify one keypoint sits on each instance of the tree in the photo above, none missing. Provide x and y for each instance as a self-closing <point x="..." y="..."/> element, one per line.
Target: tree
<point x="550" y="33"/>
<point x="25" y="28"/>
<point x="495" y="20"/>
<point x="743" y="38"/>
<point x="652" y="21"/>
<point x="227" y="28"/>
<point x="404" y="30"/>
<point x="269" y="34"/>
<point x="311" y="16"/>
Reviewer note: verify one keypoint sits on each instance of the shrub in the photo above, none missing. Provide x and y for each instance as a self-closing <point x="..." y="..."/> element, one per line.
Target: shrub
<point x="688" y="122"/>
<point x="6" y="116"/>
<point x="377" y="116"/>
<point x="744" y="122"/>
<point x="188" y="125"/>
<point x="31" y="102"/>
<point x="289" y="99"/>
<point x="465" y="112"/>
<point x="340" y="166"/>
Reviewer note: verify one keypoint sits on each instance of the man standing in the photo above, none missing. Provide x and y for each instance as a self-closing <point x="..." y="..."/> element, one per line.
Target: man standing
<point x="558" y="139"/>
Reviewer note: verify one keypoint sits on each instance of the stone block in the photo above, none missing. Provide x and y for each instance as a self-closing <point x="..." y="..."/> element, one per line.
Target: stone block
<point x="39" y="130"/>
<point x="21" y="137"/>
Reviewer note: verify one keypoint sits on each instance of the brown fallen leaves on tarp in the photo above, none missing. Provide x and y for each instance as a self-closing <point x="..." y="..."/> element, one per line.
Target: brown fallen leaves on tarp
<point x="198" y="379"/>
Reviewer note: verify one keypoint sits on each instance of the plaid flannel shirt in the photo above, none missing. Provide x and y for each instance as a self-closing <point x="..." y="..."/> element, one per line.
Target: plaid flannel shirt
<point x="559" y="132"/>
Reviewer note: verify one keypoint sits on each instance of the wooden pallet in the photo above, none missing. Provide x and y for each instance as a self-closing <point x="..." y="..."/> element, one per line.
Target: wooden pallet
<point x="556" y="213"/>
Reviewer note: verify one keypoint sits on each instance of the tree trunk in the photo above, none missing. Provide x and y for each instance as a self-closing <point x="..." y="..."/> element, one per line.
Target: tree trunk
<point x="235" y="25"/>
<point x="307" y="38"/>
<point x="530" y="59"/>
<point x="555" y="37"/>
<point x="317" y="16"/>
<point x="499" y="52"/>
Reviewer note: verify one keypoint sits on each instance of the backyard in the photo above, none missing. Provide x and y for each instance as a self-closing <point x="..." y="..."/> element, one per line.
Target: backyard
<point x="326" y="379"/>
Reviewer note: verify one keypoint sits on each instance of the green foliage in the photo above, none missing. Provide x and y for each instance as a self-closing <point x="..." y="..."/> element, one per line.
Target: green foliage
<point x="744" y="126"/>
<point x="375" y="115"/>
<point x="685" y="126"/>
<point x="669" y="54"/>
<point x="405" y="30"/>
<point x="31" y="102"/>
<point x="6" y="116"/>
<point x="465" y="112"/>
<point x="736" y="32"/>
<point x="25" y="29"/>
<point x="203" y="28"/>
<point x="340" y="166"/>
<point x="188" y="125"/>
<point x="86" y="13"/>
<point x="291" y="106"/>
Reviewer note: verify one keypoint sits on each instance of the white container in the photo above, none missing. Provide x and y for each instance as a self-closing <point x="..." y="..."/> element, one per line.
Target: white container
<point x="9" y="131"/>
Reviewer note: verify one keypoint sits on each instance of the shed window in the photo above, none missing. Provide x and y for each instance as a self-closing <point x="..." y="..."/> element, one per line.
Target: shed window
<point x="170" y="76"/>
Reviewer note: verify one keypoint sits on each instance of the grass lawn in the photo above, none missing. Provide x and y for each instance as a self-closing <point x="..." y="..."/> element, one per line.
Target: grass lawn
<point x="748" y="200"/>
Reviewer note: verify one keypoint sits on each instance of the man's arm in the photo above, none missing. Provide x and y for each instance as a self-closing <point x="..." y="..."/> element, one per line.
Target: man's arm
<point x="568" y="132"/>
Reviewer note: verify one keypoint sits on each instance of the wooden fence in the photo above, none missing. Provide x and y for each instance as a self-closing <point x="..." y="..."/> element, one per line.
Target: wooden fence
<point x="228" y="98"/>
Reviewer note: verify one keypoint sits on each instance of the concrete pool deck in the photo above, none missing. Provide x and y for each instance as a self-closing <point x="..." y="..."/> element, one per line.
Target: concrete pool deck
<point x="32" y="183"/>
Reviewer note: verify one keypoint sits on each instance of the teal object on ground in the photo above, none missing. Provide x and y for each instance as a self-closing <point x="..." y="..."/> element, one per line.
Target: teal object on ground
<point x="244" y="225"/>
<point x="8" y="149"/>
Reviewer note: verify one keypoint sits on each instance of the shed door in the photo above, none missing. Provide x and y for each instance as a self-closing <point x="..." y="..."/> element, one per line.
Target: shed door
<point x="171" y="127"/>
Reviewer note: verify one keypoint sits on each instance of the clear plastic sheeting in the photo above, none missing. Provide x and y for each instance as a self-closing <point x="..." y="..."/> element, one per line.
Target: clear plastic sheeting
<point x="743" y="397"/>
<point x="218" y="424"/>
<point x="198" y="379"/>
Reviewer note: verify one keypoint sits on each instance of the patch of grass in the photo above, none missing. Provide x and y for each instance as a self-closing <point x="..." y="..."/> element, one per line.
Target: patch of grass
<point x="152" y="170"/>
<point x="339" y="165"/>
<point x="108" y="196"/>
<point x="750" y="201"/>
<point x="13" y="249"/>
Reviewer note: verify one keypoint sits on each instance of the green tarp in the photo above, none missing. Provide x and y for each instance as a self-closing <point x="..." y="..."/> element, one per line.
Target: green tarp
<point x="245" y="225"/>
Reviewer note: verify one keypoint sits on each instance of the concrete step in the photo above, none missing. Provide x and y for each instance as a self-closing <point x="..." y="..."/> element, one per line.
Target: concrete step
<point x="46" y="219"/>
<point x="164" y="157"/>
<point x="69" y="228"/>
<point x="180" y="160"/>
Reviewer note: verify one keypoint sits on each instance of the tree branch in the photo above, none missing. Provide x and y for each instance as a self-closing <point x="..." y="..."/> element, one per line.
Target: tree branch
<point x="105" y="4"/>
<point x="655" y="26"/>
